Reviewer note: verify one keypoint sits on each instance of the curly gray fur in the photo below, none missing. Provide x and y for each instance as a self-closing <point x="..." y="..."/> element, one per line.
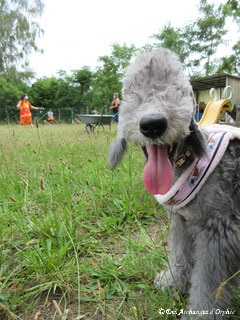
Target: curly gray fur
<point x="205" y="244"/>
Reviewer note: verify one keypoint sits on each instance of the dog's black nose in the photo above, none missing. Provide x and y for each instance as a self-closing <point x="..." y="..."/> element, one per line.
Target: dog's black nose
<point x="153" y="125"/>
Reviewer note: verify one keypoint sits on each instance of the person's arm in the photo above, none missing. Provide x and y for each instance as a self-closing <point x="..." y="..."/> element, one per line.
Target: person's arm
<point x="112" y="105"/>
<point x="34" y="108"/>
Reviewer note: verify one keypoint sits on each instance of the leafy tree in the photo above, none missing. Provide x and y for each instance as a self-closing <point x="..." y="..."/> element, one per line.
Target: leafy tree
<point x="9" y="93"/>
<point x="173" y="39"/>
<point x="122" y="55"/>
<point x="19" y="30"/>
<point x="108" y="76"/>
<point x="208" y="31"/>
<point x="82" y="78"/>
<point x="43" y="92"/>
<point x="67" y="94"/>
<point x="197" y="42"/>
<point x="236" y="49"/>
<point x="81" y="81"/>
<point x="226" y="65"/>
<point x="64" y="92"/>
<point x="232" y="9"/>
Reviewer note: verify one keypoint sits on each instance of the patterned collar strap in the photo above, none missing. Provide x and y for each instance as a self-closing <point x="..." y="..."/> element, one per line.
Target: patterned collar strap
<point x="192" y="180"/>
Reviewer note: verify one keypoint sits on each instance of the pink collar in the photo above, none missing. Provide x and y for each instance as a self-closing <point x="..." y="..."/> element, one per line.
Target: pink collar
<point x="194" y="177"/>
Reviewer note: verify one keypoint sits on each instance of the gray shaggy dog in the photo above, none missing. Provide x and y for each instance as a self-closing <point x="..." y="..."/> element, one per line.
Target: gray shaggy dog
<point x="157" y="113"/>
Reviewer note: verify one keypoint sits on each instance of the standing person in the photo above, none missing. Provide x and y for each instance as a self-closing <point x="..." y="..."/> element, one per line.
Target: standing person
<point x="25" y="110"/>
<point x="115" y="106"/>
<point x="50" y="118"/>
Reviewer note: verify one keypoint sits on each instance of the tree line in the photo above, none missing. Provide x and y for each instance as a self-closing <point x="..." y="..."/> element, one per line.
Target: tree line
<point x="195" y="43"/>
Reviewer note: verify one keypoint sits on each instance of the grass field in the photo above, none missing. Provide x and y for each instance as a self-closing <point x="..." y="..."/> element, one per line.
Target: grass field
<point x="78" y="241"/>
<point x="76" y="237"/>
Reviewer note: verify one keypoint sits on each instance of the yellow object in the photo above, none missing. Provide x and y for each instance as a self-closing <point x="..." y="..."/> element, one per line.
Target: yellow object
<point x="212" y="111"/>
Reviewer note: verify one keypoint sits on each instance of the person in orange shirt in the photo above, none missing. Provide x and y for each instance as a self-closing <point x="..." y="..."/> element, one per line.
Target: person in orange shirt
<point x="25" y="110"/>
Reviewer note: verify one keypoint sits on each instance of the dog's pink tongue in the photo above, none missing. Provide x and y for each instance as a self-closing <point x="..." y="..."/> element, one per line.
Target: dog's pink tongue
<point x="157" y="174"/>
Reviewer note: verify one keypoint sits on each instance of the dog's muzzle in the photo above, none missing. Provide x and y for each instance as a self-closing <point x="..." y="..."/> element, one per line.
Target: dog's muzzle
<point x="153" y="125"/>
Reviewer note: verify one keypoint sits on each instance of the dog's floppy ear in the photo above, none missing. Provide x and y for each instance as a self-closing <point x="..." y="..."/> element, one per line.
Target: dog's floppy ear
<point x="197" y="139"/>
<point x="116" y="151"/>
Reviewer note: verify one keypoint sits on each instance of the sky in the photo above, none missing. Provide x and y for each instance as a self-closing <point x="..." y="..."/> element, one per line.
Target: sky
<point x="78" y="32"/>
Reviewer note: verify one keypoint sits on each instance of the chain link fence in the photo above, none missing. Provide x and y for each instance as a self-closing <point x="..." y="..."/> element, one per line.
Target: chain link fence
<point x="10" y="115"/>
